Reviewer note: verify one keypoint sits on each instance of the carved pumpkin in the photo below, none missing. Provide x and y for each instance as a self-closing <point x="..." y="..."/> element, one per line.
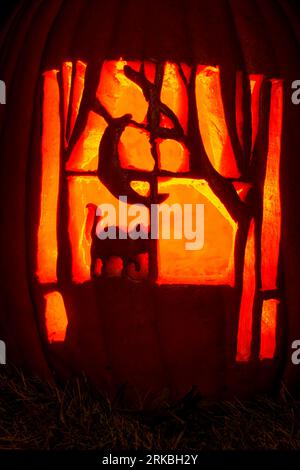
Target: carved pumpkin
<point x="171" y="104"/>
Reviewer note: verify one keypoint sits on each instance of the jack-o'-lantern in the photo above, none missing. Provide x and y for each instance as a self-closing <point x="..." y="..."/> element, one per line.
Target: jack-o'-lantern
<point x="91" y="117"/>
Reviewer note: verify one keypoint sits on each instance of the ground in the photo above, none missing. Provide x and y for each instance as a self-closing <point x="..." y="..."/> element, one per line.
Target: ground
<point x="36" y="415"/>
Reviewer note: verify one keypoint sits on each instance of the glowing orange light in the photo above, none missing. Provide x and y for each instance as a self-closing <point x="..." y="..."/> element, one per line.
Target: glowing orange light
<point x="85" y="190"/>
<point x="186" y="71"/>
<point x="55" y="317"/>
<point x="174" y="95"/>
<point x="242" y="189"/>
<point x="67" y="68"/>
<point x="134" y="64"/>
<point x="77" y="91"/>
<point x="85" y="153"/>
<point x="118" y="94"/>
<point x="141" y="187"/>
<point x="150" y="69"/>
<point x="98" y="267"/>
<point x="270" y="238"/>
<point x="134" y="149"/>
<point x="268" y="329"/>
<point x="255" y="87"/>
<point x="246" y="306"/>
<point x="212" y="123"/>
<point x="213" y="263"/>
<point x="47" y="237"/>
<point x="173" y="156"/>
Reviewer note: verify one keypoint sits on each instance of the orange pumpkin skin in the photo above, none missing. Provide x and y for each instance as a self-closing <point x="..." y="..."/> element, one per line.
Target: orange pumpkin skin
<point x="146" y="336"/>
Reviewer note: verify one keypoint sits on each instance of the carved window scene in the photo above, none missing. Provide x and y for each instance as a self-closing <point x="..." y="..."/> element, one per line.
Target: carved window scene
<point x="162" y="132"/>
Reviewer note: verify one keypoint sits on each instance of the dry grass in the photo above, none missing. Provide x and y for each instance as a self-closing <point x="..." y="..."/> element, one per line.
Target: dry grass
<point x="35" y="415"/>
